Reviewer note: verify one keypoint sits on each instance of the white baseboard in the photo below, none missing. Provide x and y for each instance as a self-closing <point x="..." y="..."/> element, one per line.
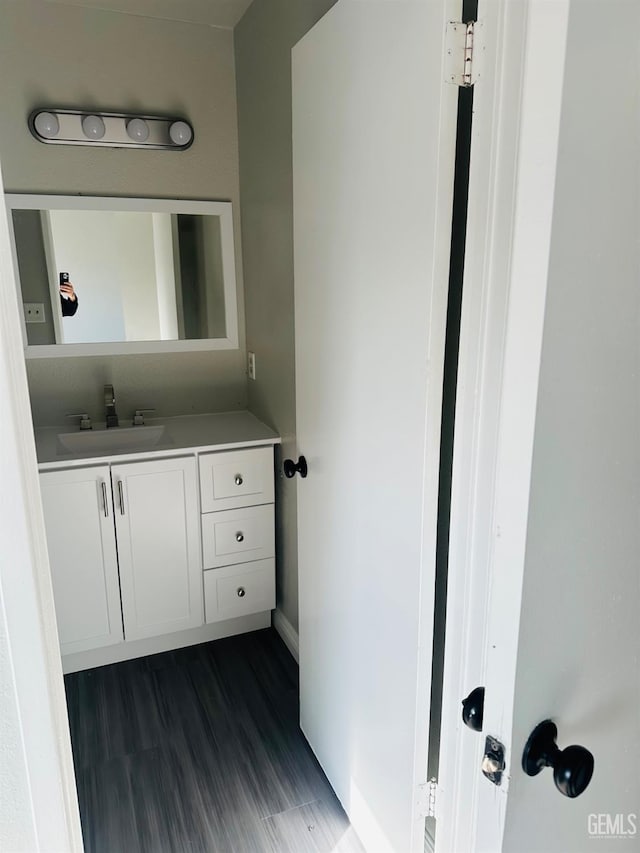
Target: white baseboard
<point x="287" y="632"/>
<point x="166" y="642"/>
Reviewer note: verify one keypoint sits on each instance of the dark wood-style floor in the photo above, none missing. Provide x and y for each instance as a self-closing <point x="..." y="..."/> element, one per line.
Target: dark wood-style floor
<point x="199" y="750"/>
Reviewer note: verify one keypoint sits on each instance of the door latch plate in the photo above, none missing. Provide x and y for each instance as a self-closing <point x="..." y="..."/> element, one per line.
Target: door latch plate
<point x="493" y="763"/>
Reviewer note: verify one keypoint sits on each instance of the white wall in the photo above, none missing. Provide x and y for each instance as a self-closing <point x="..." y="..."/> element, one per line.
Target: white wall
<point x="111" y="260"/>
<point x="579" y="648"/>
<point x="137" y="271"/>
<point x="263" y="41"/>
<point x="165" y="276"/>
<point x="64" y="55"/>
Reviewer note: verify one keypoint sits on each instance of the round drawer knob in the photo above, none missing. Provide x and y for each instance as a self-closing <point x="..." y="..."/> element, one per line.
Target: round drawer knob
<point x="238" y="480"/>
<point x="241" y="592"/>
<point x="239" y="536"/>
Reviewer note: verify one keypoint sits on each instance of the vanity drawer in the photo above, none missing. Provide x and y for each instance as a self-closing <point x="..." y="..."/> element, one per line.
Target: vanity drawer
<point x="239" y="590"/>
<point x="237" y="536"/>
<point x="236" y="478"/>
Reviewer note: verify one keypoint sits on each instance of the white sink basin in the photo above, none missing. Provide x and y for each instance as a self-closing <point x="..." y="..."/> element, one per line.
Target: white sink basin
<point x="114" y="440"/>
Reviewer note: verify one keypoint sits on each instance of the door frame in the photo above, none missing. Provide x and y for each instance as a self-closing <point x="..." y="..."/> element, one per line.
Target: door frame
<point x="46" y="809"/>
<point x="509" y="262"/>
<point x="511" y="194"/>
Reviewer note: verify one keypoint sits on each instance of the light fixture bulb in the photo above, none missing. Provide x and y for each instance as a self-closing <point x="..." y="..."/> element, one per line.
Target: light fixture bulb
<point x="47" y="125"/>
<point x="93" y="127"/>
<point x="137" y="129"/>
<point x="180" y="133"/>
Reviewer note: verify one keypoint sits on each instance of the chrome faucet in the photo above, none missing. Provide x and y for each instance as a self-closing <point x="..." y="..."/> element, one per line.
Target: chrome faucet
<point x="110" y="406"/>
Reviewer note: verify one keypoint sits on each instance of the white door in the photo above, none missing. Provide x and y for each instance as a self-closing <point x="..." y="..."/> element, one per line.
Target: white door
<point x="544" y="587"/>
<point x="157" y="522"/>
<point x="579" y="643"/>
<point x="373" y="146"/>
<point x="78" y="516"/>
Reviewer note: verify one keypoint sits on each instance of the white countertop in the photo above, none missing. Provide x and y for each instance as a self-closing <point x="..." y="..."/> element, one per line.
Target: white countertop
<point x="192" y="433"/>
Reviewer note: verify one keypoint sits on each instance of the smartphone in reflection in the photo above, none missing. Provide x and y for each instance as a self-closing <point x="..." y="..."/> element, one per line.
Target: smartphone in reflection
<point x="64" y="279"/>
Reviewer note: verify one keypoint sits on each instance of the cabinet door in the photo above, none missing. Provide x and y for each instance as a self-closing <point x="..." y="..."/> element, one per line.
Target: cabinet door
<point x="78" y="514"/>
<point x="156" y="510"/>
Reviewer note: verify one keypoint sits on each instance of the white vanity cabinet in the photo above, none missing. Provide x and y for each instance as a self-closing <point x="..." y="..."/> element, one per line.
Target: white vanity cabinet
<point x="156" y="514"/>
<point x="78" y="513"/>
<point x="160" y="548"/>
<point x="123" y="544"/>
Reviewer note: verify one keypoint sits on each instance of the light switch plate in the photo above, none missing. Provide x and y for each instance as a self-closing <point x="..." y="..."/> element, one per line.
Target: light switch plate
<point x="251" y="365"/>
<point x="34" y="312"/>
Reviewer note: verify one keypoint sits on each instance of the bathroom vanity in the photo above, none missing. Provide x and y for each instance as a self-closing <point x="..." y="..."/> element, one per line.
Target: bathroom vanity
<point x="159" y="536"/>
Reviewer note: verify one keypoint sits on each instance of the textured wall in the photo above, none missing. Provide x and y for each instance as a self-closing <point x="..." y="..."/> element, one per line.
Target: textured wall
<point x="263" y="41"/>
<point x="52" y="54"/>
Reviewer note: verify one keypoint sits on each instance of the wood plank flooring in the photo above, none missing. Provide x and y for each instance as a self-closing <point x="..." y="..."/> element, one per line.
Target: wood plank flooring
<point x="199" y="749"/>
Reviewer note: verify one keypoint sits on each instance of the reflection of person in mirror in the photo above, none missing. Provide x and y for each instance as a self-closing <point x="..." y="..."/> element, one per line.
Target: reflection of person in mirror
<point x="68" y="300"/>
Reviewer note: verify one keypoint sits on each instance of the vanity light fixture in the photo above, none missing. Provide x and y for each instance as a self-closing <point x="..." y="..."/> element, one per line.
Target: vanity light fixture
<point x="110" y="130"/>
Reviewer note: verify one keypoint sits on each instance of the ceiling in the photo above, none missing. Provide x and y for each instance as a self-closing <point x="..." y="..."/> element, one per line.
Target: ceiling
<point x="213" y="13"/>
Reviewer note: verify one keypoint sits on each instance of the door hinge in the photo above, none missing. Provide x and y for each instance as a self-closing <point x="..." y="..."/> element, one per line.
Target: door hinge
<point x="427" y="798"/>
<point x="464" y="53"/>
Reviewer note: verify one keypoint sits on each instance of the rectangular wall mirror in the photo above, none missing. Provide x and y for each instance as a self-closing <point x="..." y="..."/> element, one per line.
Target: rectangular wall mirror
<point x="147" y="275"/>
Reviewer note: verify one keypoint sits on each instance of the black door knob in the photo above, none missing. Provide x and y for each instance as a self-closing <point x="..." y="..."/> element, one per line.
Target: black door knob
<point x="473" y="708"/>
<point x="291" y="467"/>
<point x="572" y="766"/>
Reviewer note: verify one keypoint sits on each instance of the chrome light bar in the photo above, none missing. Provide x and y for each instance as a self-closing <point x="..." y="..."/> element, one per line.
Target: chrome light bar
<point x="111" y="130"/>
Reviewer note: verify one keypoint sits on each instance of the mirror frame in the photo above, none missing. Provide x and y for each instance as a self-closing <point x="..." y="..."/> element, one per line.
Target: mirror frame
<point x="223" y="209"/>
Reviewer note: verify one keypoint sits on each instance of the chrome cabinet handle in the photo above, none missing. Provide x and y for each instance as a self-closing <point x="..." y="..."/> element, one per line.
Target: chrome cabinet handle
<point x="239" y="536"/>
<point x="105" y="505"/>
<point x="241" y="592"/>
<point x="121" y="497"/>
<point x="238" y="480"/>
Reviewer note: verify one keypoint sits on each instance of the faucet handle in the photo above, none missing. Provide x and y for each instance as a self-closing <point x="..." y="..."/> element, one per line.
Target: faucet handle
<point x="85" y="420"/>
<point x="138" y="418"/>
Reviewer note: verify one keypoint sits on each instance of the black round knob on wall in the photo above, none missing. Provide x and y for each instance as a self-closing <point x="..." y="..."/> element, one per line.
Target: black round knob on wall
<point x="292" y="468"/>
<point x="572" y="766"/>
<point x="473" y="708"/>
